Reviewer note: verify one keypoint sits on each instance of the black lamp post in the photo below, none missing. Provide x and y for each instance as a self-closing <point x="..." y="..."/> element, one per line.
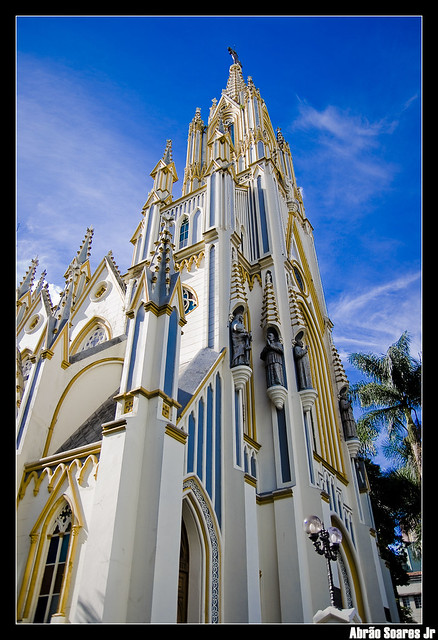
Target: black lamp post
<point x="326" y="543"/>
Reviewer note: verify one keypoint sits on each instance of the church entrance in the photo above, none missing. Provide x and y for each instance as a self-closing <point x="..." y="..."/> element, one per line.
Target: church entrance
<point x="183" y="580"/>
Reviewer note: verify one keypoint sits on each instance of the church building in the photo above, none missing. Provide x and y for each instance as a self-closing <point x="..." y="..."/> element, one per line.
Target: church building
<point x="177" y="423"/>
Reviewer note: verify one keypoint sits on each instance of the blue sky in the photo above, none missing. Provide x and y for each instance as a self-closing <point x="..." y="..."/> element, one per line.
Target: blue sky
<point x="97" y="98"/>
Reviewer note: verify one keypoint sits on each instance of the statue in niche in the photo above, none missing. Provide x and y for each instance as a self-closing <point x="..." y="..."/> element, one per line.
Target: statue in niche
<point x="302" y="365"/>
<point x="348" y="421"/>
<point x="273" y="357"/>
<point x="240" y="340"/>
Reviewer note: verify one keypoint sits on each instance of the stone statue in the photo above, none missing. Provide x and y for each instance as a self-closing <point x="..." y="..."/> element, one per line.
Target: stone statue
<point x="348" y="421"/>
<point x="302" y="366"/>
<point x="273" y="357"/>
<point x="240" y="340"/>
<point x="234" y="56"/>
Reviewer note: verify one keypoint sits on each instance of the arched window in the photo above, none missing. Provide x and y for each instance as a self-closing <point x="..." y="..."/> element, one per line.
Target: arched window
<point x="54" y="570"/>
<point x="184" y="233"/>
<point x="97" y="335"/>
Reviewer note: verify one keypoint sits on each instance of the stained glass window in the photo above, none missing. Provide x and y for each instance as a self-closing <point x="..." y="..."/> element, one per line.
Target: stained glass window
<point x="54" y="569"/>
<point x="97" y="336"/>
<point x="190" y="300"/>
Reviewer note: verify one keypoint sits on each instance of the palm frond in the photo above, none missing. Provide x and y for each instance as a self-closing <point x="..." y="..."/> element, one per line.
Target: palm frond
<point x="370" y="364"/>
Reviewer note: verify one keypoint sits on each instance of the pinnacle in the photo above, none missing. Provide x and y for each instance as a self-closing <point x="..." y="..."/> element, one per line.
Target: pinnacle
<point x="160" y="264"/>
<point x="236" y="83"/>
<point x="167" y="156"/>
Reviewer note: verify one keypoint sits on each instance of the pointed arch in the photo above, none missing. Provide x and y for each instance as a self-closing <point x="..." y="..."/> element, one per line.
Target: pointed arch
<point x="95" y="324"/>
<point x="48" y="555"/>
<point x="349" y="574"/>
<point x="205" y="553"/>
<point x="328" y="425"/>
<point x="115" y="364"/>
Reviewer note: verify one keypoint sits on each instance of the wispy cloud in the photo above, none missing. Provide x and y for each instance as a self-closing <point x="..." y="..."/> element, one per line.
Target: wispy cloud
<point x="371" y="320"/>
<point x="345" y="154"/>
<point x="75" y="168"/>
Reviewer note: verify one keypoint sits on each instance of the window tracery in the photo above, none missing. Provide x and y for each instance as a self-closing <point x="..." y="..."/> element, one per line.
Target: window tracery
<point x="97" y="335"/>
<point x="190" y="299"/>
<point x="53" y="575"/>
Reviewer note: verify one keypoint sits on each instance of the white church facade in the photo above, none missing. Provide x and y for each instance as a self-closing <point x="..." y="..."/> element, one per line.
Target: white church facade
<point x="177" y="423"/>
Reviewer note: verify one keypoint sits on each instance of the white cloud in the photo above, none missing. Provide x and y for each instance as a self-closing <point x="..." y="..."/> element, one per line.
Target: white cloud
<point x="344" y="153"/>
<point x="76" y="167"/>
<point x="372" y="320"/>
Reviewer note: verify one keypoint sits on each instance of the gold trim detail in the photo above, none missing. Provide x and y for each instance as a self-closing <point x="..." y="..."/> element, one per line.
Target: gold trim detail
<point x="272" y="496"/>
<point x="249" y="479"/>
<point x="176" y="433"/>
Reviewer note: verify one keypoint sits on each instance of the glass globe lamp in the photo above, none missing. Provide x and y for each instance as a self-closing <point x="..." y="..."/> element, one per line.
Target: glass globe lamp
<point x="335" y="536"/>
<point x="312" y="525"/>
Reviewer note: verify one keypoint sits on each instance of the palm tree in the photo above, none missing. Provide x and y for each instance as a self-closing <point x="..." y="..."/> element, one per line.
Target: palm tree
<point x="393" y="399"/>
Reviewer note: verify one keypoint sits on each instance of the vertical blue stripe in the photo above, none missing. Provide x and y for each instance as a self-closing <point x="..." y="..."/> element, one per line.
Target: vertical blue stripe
<point x="148" y="233"/>
<point x="211" y="296"/>
<point x="237" y="426"/>
<point x="200" y="451"/>
<point x="29" y="400"/>
<point x="212" y="199"/>
<point x="309" y="448"/>
<point x="263" y="222"/>
<point x="138" y="320"/>
<point x="191" y="444"/>
<point x="209" y="443"/>
<point x="284" y="449"/>
<point x="172" y="337"/>
<point x="218" y="450"/>
<point x="254" y="234"/>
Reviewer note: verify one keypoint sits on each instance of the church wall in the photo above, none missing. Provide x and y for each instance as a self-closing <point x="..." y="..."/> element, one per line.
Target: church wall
<point x="242" y="473"/>
<point x="193" y="333"/>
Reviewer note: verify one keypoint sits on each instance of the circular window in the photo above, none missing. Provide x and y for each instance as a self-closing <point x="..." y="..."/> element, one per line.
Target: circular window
<point x="190" y="299"/>
<point x="100" y="291"/>
<point x="33" y="323"/>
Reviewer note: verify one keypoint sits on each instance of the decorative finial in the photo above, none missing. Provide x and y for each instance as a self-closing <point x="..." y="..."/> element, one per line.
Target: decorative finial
<point x="235" y="57"/>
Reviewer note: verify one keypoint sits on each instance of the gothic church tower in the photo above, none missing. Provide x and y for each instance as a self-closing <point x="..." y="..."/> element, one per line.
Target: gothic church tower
<point x="177" y="423"/>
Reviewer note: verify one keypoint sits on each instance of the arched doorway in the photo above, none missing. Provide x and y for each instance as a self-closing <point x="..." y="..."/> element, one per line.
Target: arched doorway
<point x="183" y="580"/>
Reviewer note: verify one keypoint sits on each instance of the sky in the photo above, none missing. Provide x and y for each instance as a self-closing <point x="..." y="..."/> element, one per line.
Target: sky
<point x="98" y="96"/>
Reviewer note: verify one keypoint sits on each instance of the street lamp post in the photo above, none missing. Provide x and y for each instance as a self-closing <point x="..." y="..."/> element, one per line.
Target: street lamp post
<point x="326" y="543"/>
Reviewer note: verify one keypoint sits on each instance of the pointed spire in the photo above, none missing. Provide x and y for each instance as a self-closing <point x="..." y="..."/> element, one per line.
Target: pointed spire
<point x="167" y="155"/>
<point x="162" y="266"/>
<point x="296" y="314"/>
<point x="237" y="289"/>
<point x="85" y="250"/>
<point x="270" y="315"/>
<point x="40" y="284"/>
<point x="164" y="174"/>
<point x="236" y="84"/>
<point x="82" y="254"/>
<point x="60" y="314"/>
<point x="28" y="279"/>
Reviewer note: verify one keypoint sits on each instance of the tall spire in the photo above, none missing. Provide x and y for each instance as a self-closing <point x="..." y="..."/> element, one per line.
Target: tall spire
<point x="164" y="174"/>
<point x="26" y="283"/>
<point x="236" y="84"/>
<point x="161" y="266"/>
<point x="82" y="254"/>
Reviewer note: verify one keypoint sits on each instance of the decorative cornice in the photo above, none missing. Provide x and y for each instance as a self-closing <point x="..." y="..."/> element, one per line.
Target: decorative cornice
<point x="176" y="433"/>
<point x="148" y="394"/>
<point x="271" y="496"/>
